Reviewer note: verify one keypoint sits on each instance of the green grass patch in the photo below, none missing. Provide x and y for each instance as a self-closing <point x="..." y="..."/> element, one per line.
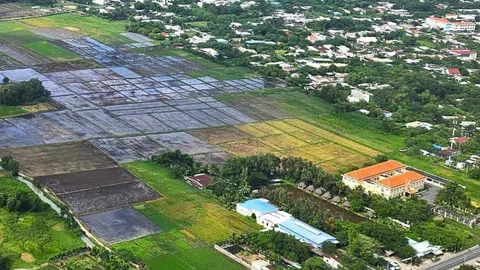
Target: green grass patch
<point x="201" y="258"/>
<point x="103" y="30"/>
<point x="162" y="51"/>
<point x="21" y="37"/>
<point x="31" y="238"/>
<point x="9" y="111"/>
<point x="12" y="26"/>
<point x="51" y="51"/>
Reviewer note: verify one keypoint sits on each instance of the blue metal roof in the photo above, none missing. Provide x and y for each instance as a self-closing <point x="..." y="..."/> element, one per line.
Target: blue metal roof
<point x="305" y="232"/>
<point x="262" y="206"/>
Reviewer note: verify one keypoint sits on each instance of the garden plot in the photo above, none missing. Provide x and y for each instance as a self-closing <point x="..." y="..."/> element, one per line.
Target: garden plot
<point x="117" y="150"/>
<point x="99" y="87"/>
<point x="143" y="110"/>
<point x="42" y="129"/>
<point x="237" y="114"/>
<point x="119" y="225"/>
<point x="74" y="102"/>
<point x="178" y="120"/>
<point x="184" y="142"/>
<point x="76" y="124"/>
<point x="145" y="123"/>
<point x="20" y="75"/>
<point x="52" y="159"/>
<point x="67" y="65"/>
<point x="77" y="181"/>
<point x="108" y="123"/>
<point x="78" y="88"/>
<point x="12" y="136"/>
<point x="108" y="197"/>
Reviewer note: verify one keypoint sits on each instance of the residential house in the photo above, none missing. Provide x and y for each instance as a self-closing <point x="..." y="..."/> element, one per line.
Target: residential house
<point x="388" y="179"/>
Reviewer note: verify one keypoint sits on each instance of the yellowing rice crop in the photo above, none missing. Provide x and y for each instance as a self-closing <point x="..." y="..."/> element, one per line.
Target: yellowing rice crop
<point x="250" y="129"/>
<point x="283" y="141"/>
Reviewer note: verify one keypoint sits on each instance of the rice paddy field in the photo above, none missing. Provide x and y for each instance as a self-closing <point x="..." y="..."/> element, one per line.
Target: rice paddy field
<point x="346" y="126"/>
<point x="31" y="238"/>
<point x="289" y="137"/>
<point x="187" y="217"/>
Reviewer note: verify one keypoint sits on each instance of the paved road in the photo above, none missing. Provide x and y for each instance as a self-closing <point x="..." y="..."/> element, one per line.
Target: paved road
<point x="455" y="261"/>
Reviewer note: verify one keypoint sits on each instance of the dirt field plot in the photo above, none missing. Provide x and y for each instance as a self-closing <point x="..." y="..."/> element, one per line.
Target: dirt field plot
<point x="56" y="33"/>
<point x="184" y="142"/>
<point x="220" y="135"/>
<point x="222" y="117"/>
<point x="178" y="120"/>
<point x="106" y="99"/>
<point x="212" y="158"/>
<point x="56" y="89"/>
<point x="143" y="145"/>
<point x="18" y="56"/>
<point x="108" y="197"/>
<point x="262" y="108"/>
<point x="62" y="77"/>
<point x="205" y="118"/>
<point x="146" y="123"/>
<point x="143" y="111"/>
<point x="59" y="158"/>
<point x="6" y="62"/>
<point x="116" y="149"/>
<point x="246" y="148"/>
<point x="69" y="182"/>
<point x="333" y="137"/>
<point x="77" y="125"/>
<point x="88" y="75"/>
<point x="74" y="102"/>
<point x="282" y="138"/>
<point x="42" y="129"/>
<point x="108" y="123"/>
<point x="119" y="225"/>
<point x="12" y="136"/>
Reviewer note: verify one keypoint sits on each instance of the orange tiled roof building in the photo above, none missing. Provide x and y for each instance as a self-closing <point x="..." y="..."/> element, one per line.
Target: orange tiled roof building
<point x="388" y="179"/>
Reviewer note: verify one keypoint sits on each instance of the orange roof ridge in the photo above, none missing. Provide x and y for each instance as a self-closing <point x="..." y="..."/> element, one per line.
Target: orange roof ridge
<point x="400" y="179"/>
<point x="374" y="170"/>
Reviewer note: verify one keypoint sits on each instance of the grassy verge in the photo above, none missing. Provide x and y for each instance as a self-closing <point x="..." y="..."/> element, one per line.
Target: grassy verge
<point x="357" y="127"/>
<point x="191" y="220"/>
<point x="31" y="238"/>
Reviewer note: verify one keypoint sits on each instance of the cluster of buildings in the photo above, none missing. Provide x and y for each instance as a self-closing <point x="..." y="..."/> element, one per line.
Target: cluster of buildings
<point x="388" y="179"/>
<point x="446" y="25"/>
<point x="270" y="217"/>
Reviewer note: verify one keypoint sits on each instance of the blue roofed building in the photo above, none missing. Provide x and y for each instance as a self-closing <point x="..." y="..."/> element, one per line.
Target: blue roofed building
<point x="305" y="233"/>
<point x="270" y="217"/>
<point x="258" y="207"/>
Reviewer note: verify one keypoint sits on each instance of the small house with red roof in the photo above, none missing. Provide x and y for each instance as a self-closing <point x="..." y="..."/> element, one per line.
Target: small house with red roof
<point x="452" y="71"/>
<point x="464" y="54"/>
